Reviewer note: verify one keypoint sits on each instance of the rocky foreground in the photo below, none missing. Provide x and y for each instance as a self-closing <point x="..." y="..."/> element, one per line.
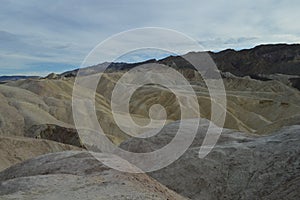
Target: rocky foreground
<point x="241" y="166"/>
<point x="77" y="175"/>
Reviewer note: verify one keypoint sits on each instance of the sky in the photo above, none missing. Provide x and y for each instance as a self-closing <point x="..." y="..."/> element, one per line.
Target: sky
<point x="39" y="37"/>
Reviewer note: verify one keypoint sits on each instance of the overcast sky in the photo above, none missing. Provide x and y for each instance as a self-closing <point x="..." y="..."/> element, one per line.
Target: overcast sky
<point x="43" y="36"/>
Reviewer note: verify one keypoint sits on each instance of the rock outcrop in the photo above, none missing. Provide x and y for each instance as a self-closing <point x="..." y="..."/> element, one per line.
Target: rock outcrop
<point x="241" y="166"/>
<point x="55" y="133"/>
<point x="77" y="175"/>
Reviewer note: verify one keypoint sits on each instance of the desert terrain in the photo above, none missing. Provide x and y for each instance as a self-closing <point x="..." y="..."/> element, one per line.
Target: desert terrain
<point x="256" y="157"/>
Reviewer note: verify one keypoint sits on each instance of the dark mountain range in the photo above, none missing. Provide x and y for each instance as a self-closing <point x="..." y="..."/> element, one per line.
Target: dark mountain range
<point x="263" y="59"/>
<point x="279" y="62"/>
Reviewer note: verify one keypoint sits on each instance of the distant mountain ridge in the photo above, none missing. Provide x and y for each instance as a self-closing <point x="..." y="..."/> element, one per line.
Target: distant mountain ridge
<point x="262" y="59"/>
<point x="279" y="62"/>
<point x="14" y="78"/>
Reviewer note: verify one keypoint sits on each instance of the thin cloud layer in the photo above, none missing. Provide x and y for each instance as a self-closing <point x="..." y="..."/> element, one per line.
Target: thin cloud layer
<point x="43" y="36"/>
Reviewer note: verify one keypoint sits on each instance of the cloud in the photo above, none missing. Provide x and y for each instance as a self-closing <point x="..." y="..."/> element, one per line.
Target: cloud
<point x="217" y="44"/>
<point x="65" y="31"/>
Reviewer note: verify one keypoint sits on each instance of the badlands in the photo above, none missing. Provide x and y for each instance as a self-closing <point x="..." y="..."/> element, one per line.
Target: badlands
<point x="256" y="157"/>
